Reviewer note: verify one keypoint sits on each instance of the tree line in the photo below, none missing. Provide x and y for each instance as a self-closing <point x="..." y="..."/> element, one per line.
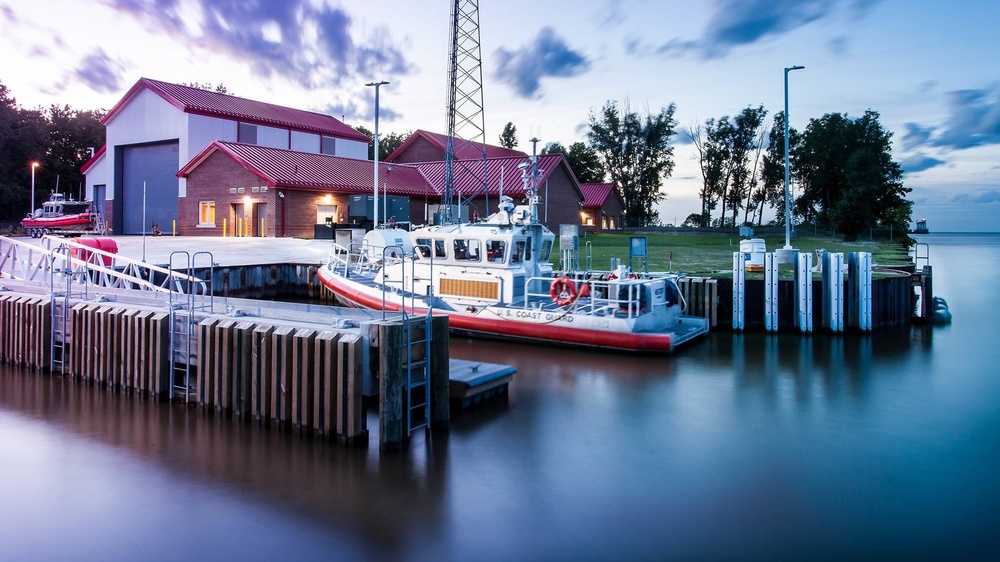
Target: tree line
<point x="842" y="167"/>
<point x="58" y="138"/>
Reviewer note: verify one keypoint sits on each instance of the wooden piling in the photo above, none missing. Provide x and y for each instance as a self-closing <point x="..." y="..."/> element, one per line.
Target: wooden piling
<point x="352" y="422"/>
<point x="261" y="374"/>
<point x="282" y="341"/>
<point x="392" y="430"/>
<point x="324" y="390"/>
<point x="303" y="357"/>
<point x="440" y="382"/>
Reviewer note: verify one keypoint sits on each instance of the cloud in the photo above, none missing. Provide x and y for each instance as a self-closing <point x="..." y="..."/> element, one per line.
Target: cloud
<point x="100" y="72"/>
<point x="736" y="23"/>
<point x="838" y="45"/>
<point x="8" y="13"/>
<point x="546" y="56"/>
<point x="973" y="119"/>
<point x="362" y="113"/>
<point x="916" y="136"/>
<point x="311" y="43"/>
<point x="919" y="163"/>
<point x="980" y="197"/>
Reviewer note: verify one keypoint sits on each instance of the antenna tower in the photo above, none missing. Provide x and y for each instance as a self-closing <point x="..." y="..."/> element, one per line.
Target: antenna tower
<point x="466" y="116"/>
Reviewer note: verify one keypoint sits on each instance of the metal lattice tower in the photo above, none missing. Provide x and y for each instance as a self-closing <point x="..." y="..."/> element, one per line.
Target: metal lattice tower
<point x="466" y="116"/>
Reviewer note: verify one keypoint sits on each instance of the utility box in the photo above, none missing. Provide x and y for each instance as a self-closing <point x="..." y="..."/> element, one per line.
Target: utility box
<point x="362" y="207"/>
<point x="350" y="238"/>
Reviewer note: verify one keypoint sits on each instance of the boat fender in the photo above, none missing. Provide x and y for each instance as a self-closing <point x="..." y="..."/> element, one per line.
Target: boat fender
<point x="941" y="314"/>
<point x="562" y="290"/>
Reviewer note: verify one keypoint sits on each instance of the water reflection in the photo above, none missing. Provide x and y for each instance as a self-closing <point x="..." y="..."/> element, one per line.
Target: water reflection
<point x="353" y="489"/>
<point x="743" y="446"/>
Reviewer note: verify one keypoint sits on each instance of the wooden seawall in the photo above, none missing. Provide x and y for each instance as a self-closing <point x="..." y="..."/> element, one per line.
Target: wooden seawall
<point x="302" y="368"/>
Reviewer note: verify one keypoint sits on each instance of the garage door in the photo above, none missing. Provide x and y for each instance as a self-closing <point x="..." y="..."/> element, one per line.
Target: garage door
<point x="157" y="165"/>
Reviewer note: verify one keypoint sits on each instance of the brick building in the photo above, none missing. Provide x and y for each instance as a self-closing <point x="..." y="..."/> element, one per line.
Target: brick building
<point x="603" y="208"/>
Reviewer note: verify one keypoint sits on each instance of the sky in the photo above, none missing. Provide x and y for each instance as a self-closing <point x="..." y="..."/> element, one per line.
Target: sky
<point x="927" y="67"/>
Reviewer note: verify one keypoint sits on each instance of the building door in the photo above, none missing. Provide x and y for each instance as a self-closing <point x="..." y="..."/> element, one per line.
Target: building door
<point x="99" y="197"/>
<point x="236" y="217"/>
<point x="154" y="165"/>
<point x="259" y="219"/>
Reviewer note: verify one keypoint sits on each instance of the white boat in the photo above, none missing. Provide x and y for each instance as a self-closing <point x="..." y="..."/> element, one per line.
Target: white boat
<point x="494" y="279"/>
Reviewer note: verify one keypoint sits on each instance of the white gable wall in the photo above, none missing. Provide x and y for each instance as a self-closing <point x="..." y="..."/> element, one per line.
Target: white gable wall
<point x="145" y="118"/>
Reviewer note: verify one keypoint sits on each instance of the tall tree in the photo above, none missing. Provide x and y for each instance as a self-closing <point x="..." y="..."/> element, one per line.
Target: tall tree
<point x="387" y="142"/>
<point x="57" y="138"/>
<point x="772" y="176"/>
<point x="636" y="154"/>
<point x="582" y="159"/>
<point x="847" y="175"/>
<point x="508" y="138"/>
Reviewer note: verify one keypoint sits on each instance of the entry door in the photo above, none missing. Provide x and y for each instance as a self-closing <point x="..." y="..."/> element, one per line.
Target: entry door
<point x="261" y="218"/>
<point x="99" y="198"/>
<point x="236" y="219"/>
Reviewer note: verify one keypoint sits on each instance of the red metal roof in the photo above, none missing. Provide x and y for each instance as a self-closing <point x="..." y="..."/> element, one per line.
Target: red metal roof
<point x="596" y="194"/>
<point x="464" y="150"/>
<point x="468" y="174"/>
<point x="307" y="170"/>
<point x="93" y="159"/>
<point x="204" y="102"/>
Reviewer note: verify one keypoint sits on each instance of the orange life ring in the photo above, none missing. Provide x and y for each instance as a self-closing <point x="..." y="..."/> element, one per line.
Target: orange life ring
<point x="562" y="290"/>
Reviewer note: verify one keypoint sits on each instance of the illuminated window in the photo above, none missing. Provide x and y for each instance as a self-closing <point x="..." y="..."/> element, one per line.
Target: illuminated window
<point x="206" y="213"/>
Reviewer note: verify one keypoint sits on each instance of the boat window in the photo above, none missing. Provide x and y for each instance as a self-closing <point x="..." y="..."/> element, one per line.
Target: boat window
<point x="439" y="249"/>
<point x="467" y="250"/>
<point x="424" y="246"/>
<point x="546" y="250"/>
<point x="496" y="250"/>
<point x="518" y="254"/>
<point x="527" y="249"/>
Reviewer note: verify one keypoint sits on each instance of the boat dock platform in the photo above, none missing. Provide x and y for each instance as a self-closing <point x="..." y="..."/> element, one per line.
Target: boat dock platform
<point x="296" y="366"/>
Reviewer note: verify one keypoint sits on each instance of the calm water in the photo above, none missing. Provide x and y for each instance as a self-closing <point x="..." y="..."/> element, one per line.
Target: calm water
<point x="743" y="447"/>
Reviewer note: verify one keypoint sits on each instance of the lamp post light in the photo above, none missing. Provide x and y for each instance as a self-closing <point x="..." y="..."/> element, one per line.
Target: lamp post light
<point x="375" y="205"/>
<point x="788" y="205"/>
<point x="33" y="166"/>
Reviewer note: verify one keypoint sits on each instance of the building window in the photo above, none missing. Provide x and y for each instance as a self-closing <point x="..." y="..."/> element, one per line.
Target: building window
<point x="206" y="213"/>
<point x="328" y="145"/>
<point x="248" y="133"/>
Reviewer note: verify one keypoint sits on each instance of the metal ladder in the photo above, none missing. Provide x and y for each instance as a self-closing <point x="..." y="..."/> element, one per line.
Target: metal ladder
<point x="417" y="337"/>
<point x="61" y="302"/>
<point x="186" y="298"/>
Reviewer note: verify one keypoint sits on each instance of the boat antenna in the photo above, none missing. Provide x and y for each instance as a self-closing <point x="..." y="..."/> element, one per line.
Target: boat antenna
<point x="529" y="175"/>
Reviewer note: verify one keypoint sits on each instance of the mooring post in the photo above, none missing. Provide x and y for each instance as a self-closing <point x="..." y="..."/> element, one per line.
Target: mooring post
<point x="392" y="430"/>
<point x="440" y="370"/>
<point x="739" y="290"/>
<point x="771" y="291"/>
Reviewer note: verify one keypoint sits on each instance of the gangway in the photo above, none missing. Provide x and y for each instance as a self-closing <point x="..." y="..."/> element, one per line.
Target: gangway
<point x="59" y="261"/>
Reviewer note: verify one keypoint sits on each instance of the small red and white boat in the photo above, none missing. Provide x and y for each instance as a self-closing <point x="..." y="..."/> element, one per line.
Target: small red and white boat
<point x="494" y="279"/>
<point x="61" y="216"/>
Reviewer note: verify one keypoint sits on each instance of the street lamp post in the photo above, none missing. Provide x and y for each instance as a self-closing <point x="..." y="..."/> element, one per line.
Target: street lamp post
<point x="375" y="205"/>
<point x="33" y="166"/>
<point x="788" y="205"/>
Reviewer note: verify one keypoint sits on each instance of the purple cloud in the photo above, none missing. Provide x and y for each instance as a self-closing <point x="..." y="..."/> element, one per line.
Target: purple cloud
<point x="313" y="44"/>
<point x="736" y="23"/>
<point x="100" y="72"/>
<point x="546" y="56"/>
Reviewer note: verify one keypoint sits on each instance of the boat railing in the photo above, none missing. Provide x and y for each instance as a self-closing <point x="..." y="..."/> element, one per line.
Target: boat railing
<point x="630" y="296"/>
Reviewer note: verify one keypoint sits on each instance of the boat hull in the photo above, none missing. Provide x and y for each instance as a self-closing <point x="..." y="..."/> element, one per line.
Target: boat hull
<point x="524" y="324"/>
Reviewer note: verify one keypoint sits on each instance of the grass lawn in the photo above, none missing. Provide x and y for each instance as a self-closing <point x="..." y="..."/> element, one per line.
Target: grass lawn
<point x="712" y="254"/>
